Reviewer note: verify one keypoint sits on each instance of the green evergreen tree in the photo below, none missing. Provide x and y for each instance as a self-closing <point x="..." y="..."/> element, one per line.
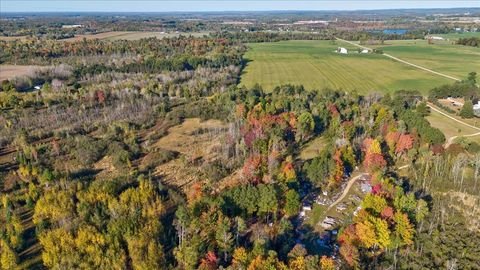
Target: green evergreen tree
<point x="467" y="110"/>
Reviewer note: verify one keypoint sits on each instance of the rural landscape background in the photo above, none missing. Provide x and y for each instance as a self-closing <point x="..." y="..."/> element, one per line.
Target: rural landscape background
<point x="305" y="135"/>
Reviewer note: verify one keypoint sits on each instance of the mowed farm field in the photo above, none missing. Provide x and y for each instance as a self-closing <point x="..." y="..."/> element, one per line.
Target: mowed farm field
<point x="442" y="56"/>
<point x="316" y="65"/>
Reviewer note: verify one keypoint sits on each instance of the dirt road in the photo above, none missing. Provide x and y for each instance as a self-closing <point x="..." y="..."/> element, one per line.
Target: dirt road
<point x="451" y="139"/>
<point x="345" y="191"/>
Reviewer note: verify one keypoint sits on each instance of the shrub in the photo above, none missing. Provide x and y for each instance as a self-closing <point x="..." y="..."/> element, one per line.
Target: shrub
<point x="87" y="150"/>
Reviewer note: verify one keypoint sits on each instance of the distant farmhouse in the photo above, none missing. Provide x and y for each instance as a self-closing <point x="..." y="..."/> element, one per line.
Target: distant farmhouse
<point x="69" y="26"/>
<point x="434" y="37"/>
<point x="342" y="50"/>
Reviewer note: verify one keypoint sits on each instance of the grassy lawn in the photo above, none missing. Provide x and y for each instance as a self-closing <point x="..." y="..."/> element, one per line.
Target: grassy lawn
<point x="459" y="35"/>
<point x="443" y="56"/>
<point x="312" y="149"/>
<point x="315" y="65"/>
<point x="449" y="127"/>
<point x="474" y="139"/>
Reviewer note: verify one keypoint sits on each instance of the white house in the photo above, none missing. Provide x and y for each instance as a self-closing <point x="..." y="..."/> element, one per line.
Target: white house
<point x="476" y="109"/>
<point x="476" y="106"/>
<point x="307" y="208"/>
<point x="342" y="50"/>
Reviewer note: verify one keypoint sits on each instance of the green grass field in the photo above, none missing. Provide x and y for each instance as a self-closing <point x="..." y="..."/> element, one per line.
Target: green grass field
<point x="315" y="65"/>
<point x="449" y="127"/>
<point x="459" y="35"/>
<point x="442" y="56"/>
<point x="313" y="148"/>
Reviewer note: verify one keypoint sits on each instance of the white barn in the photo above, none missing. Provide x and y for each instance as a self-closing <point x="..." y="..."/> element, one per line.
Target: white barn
<point x="342" y="50"/>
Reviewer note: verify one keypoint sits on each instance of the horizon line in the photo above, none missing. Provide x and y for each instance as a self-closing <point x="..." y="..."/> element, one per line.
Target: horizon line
<point x="232" y="11"/>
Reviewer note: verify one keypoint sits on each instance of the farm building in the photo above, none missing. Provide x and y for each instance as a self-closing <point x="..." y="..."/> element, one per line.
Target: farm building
<point x="70" y="26"/>
<point x="342" y="50"/>
<point x="476" y="109"/>
<point x="434" y="37"/>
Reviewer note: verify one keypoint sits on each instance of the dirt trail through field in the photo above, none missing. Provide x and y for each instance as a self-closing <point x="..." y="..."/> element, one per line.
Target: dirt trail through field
<point x="451" y="139"/>
<point x="402" y="61"/>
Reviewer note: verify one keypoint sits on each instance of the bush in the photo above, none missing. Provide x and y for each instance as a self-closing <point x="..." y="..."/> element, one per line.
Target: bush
<point x="473" y="148"/>
<point x="157" y="158"/>
<point x="215" y="171"/>
<point x="87" y="150"/>
<point x="467" y="110"/>
<point x="120" y="155"/>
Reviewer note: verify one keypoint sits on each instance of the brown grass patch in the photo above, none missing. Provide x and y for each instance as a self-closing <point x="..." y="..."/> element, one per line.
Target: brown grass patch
<point x="97" y="36"/>
<point x="4" y="38"/>
<point x="132" y="35"/>
<point x="8" y="72"/>
<point x="196" y="141"/>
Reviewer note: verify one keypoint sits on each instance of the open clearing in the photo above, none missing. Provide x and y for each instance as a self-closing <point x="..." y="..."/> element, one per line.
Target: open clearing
<point x="195" y="141"/>
<point x="8" y="72"/>
<point x="449" y="127"/>
<point x="131" y="35"/>
<point x="316" y="65"/>
<point x="313" y="148"/>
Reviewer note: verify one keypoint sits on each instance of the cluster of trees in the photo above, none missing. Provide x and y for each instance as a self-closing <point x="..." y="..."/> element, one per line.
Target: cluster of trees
<point x="131" y="220"/>
<point x="188" y="51"/>
<point x="472" y="41"/>
<point x="465" y="89"/>
<point x="386" y="221"/>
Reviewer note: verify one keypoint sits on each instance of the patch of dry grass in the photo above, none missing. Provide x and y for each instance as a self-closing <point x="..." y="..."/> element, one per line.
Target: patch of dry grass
<point x="8" y="72"/>
<point x="197" y="142"/>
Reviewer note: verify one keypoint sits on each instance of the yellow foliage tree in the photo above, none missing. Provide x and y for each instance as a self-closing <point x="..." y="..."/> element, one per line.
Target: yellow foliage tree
<point x="327" y="263"/>
<point x="8" y="258"/>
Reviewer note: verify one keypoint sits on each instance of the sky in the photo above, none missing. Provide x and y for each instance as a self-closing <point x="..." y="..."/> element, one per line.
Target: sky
<point x="218" y="5"/>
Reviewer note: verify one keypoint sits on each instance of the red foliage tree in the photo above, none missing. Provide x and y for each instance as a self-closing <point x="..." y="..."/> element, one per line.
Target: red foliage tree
<point x="374" y="161"/>
<point x="387" y="213"/>
<point x="100" y="97"/>
<point x="252" y="168"/>
<point x="209" y="262"/>
<point x="333" y="110"/>
<point x="405" y="143"/>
